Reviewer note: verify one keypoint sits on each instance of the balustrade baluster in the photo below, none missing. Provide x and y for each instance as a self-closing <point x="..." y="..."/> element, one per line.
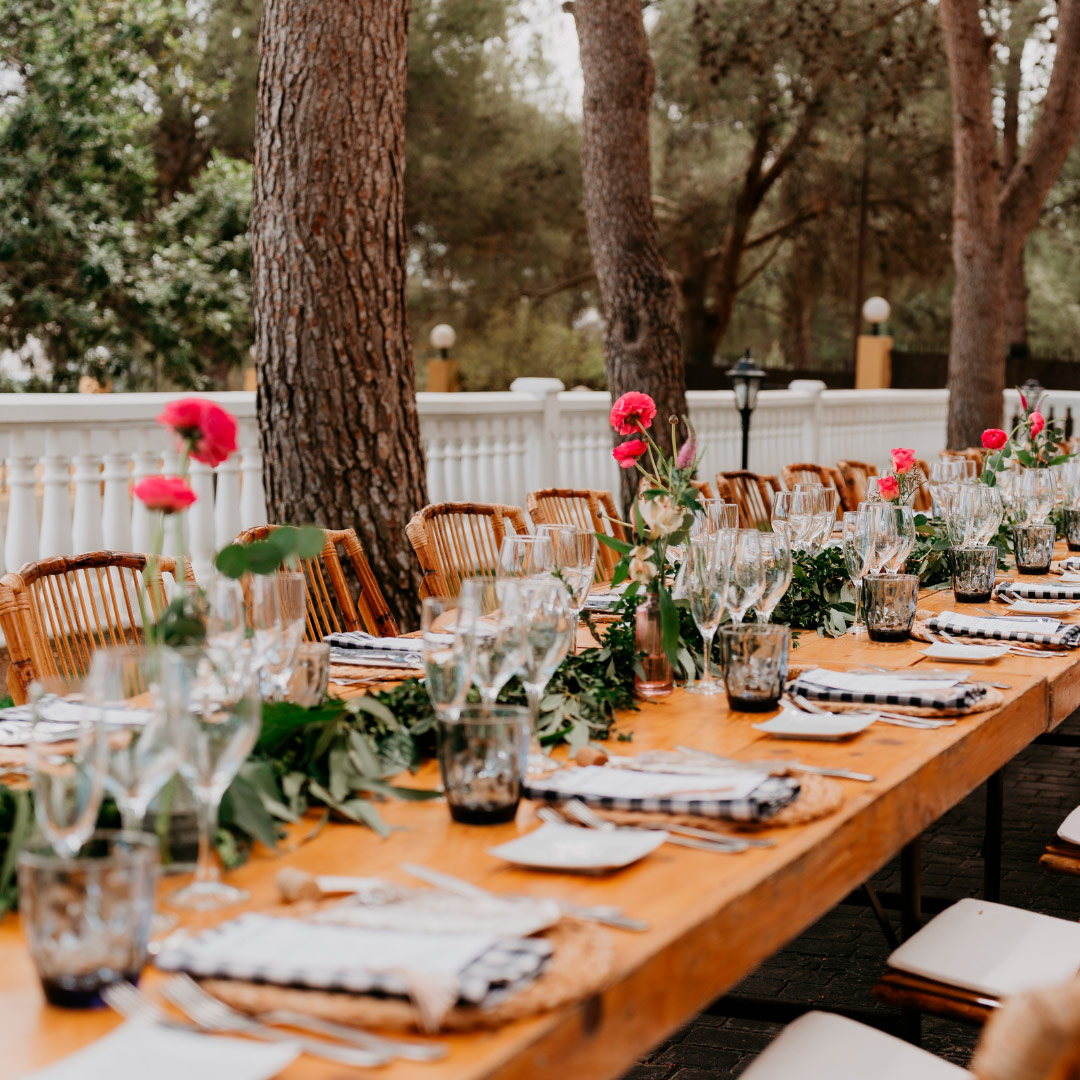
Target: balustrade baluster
<point x="200" y="521"/>
<point x="86" y="530"/>
<point x="227" y="516"/>
<point x="21" y="541"/>
<point x="116" y="517"/>
<point x="252" y="495"/>
<point x="56" y="534"/>
<point x="146" y="463"/>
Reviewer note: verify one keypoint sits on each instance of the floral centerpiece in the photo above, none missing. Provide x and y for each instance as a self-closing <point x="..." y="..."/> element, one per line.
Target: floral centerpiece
<point x="661" y="517"/>
<point x="902" y="484"/>
<point x="1033" y="442"/>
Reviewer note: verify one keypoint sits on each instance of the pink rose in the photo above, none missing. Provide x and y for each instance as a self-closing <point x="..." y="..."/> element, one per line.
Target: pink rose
<point x="993" y="438"/>
<point x="903" y="461"/>
<point x="628" y="452"/>
<point x="209" y="429"/>
<point x="1037" y="423"/>
<point x="888" y="488"/>
<point x="632" y="412"/>
<point x="166" y="493"/>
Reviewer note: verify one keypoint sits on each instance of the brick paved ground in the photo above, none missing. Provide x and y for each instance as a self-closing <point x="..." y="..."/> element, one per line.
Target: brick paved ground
<point x="839" y="959"/>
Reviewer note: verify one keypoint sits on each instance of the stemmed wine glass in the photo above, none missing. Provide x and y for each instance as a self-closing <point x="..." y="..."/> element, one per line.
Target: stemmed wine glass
<point x="746" y="579"/>
<point x="522" y="556"/>
<point x="1036" y="495"/>
<point x="548" y="624"/>
<point x="905" y="528"/>
<point x="776" y="562"/>
<point x="575" y="563"/>
<point x="858" y="546"/>
<point x="213" y="709"/>
<point x="884" y="532"/>
<point x="792" y="516"/>
<point x="944" y="477"/>
<point x="819" y="516"/>
<point x="989" y="510"/>
<point x="448" y="626"/>
<point x="706" y="588"/>
<point x="67" y="760"/>
<point x="278" y="616"/>
<point x="500" y="640"/>
<point x="714" y="515"/>
<point x="226" y="625"/>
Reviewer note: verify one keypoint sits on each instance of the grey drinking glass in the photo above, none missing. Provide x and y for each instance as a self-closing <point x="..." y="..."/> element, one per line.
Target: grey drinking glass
<point x="755" y="665"/>
<point x="87" y="918"/>
<point x="1034" y="546"/>
<point x="481" y="758"/>
<point x="890" y="601"/>
<point x="1072" y="528"/>
<point x="973" y="571"/>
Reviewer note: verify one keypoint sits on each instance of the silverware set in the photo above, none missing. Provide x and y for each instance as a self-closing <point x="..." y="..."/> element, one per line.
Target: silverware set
<point x="782" y="766"/>
<point x="896" y="719"/>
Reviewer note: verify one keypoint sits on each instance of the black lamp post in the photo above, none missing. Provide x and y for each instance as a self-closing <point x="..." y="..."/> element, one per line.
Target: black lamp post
<point x="746" y="379"/>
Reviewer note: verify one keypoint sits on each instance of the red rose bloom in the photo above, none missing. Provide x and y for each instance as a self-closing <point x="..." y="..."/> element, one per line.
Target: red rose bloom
<point x="1037" y="423"/>
<point x="165" y="493"/>
<point x="632" y="412"/>
<point x="888" y="488"/>
<point x="628" y="452"/>
<point x="209" y="429"/>
<point x="993" y="438"/>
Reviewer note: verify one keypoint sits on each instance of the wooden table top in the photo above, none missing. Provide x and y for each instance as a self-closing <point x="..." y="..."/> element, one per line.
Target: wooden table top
<point x="713" y="918"/>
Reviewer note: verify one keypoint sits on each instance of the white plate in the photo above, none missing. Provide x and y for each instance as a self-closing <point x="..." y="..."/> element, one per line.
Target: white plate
<point x="1070" y="827"/>
<point x="791" y="724"/>
<point x="566" y="847"/>
<point x="1044" y="607"/>
<point x="992" y="949"/>
<point x="965" y="654"/>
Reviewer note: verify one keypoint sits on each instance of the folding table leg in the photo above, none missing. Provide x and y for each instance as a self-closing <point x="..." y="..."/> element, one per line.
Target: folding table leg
<point x="911" y="888"/>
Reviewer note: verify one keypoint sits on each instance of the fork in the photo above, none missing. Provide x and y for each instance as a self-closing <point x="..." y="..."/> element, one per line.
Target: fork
<point x="210" y="1014"/>
<point x="926" y="723"/>
<point x="365" y="1040"/>
<point x="584" y="816"/>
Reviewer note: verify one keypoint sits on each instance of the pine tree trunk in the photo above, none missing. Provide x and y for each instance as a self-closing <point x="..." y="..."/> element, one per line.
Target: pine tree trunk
<point x="1016" y="307"/>
<point x="641" y="336"/>
<point x="336" y="402"/>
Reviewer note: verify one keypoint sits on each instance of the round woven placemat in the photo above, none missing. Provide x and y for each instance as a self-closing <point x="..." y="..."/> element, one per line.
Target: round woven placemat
<point x="990" y="700"/>
<point x="579" y="966"/>
<point x="922" y="632"/>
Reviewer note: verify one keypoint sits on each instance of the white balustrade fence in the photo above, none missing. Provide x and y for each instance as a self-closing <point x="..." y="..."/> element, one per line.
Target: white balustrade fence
<point x="70" y="460"/>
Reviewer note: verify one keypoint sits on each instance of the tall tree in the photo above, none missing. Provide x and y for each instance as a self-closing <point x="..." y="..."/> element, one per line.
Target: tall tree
<point x="993" y="214"/>
<point x="641" y="334"/>
<point x="336" y="404"/>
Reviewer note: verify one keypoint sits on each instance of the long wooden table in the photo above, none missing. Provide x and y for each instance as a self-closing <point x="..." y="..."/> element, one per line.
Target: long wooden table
<point x="714" y="918"/>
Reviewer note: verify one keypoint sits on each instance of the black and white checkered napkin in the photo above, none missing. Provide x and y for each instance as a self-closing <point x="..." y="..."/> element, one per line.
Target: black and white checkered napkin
<point x="292" y="952"/>
<point x="356" y="647"/>
<point x="1001" y="630"/>
<point x="959" y="696"/>
<point x="770" y="796"/>
<point x="1037" y="590"/>
<point x="1071" y="563"/>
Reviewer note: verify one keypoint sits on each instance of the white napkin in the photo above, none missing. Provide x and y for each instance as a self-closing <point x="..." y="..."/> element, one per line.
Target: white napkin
<point x="137" y="1051"/>
<point x="357" y="639"/>
<point x="602" y="782"/>
<point x="60" y="719"/>
<point x="878" y="682"/>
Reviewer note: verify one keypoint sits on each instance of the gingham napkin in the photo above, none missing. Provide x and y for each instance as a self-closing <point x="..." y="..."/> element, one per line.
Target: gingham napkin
<point x="60" y="720"/>
<point x="1038" y="590"/>
<point x="850" y="688"/>
<point x="365" y="650"/>
<point x="1071" y="563"/>
<point x="1034" y="632"/>
<point x="321" y="956"/>
<point x="736" y="794"/>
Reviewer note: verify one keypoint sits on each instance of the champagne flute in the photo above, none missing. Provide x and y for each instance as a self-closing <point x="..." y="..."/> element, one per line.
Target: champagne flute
<point x="776" y="561"/>
<point x="575" y="561"/>
<point x="66" y="756"/>
<point x="524" y="556"/>
<point x="448" y="626"/>
<point x="500" y="640"/>
<point x="548" y="624"/>
<point x="858" y="546"/>
<point x="214" y="715"/>
<point x="746" y="579"/>
<point x="706" y="588"/>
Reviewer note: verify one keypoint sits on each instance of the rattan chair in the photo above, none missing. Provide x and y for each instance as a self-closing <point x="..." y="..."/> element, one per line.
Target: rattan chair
<point x="807" y="473"/>
<point x="331" y="607"/>
<point x="753" y="496"/>
<point x="57" y="612"/>
<point x="972" y="453"/>
<point x="923" y="502"/>
<point x="703" y="488"/>
<point x="856" y="474"/>
<point x="455" y="541"/>
<point x="584" y="508"/>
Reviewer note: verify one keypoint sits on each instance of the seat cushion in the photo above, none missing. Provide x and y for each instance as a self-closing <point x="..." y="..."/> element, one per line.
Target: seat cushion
<point x="824" y="1046"/>
<point x="992" y="949"/>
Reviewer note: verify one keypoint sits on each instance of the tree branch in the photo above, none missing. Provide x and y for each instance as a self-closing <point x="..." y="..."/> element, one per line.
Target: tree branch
<point x="542" y="292"/>
<point x="761" y="265"/>
<point x="785" y="227"/>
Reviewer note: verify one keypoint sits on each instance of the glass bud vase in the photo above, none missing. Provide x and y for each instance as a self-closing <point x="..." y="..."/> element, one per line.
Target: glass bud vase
<point x="656" y="678"/>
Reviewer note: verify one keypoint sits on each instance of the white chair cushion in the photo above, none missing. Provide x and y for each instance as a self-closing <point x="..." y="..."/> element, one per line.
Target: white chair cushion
<point x="824" y="1046"/>
<point x="1070" y="827"/>
<point x="992" y="949"/>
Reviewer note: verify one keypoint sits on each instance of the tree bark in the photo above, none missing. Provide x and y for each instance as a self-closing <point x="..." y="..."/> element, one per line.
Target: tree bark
<point x="641" y="335"/>
<point x="1016" y="291"/>
<point x="991" y="219"/>
<point x="336" y="402"/>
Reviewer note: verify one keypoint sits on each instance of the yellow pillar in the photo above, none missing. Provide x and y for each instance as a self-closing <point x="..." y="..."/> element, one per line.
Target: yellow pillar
<point x="873" y="362"/>
<point x="442" y="376"/>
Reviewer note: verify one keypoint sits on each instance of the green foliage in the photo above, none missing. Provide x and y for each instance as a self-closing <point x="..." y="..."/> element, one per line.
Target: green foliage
<point x="16" y="821"/>
<point x="821" y="596"/>
<point x="282" y="547"/>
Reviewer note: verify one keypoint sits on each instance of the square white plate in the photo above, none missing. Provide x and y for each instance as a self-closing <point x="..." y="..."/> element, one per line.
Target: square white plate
<point x="567" y="847"/>
<point x="791" y="724"/>
<point x="992" y="949"/>
<point x="1070" y="827"/>
<point x="1044" y="607"/>
<point x="965" y="654"/>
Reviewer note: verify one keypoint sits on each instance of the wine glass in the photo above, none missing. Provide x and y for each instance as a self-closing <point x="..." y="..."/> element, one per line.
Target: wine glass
<point x="278" y="615"/>
<point x="905" y="528"/>
<point x="885" y="534"/>
<point x="990" y="509"/>
<point x="1036" y="495"/>
<point x="858" y="546"/>
<point x="776" y="561"/>
<point x="944" y="476"/>
<point x="226" y="625"/>
<point x="548" y="624"/>
<point x="213" y="710"/>
<point x="140" y="751"/>
<point x="714" y="515"/>
<point x="706" y="588"/>
<point x="746" y="579"/>
<point x="500" y="640"/>
<point x="792" y="516"/>
<point x="575" y="562"/>
<point x="525" y="556"/>
<point x="66" y="756"/>
<point x="448" y="626"/>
